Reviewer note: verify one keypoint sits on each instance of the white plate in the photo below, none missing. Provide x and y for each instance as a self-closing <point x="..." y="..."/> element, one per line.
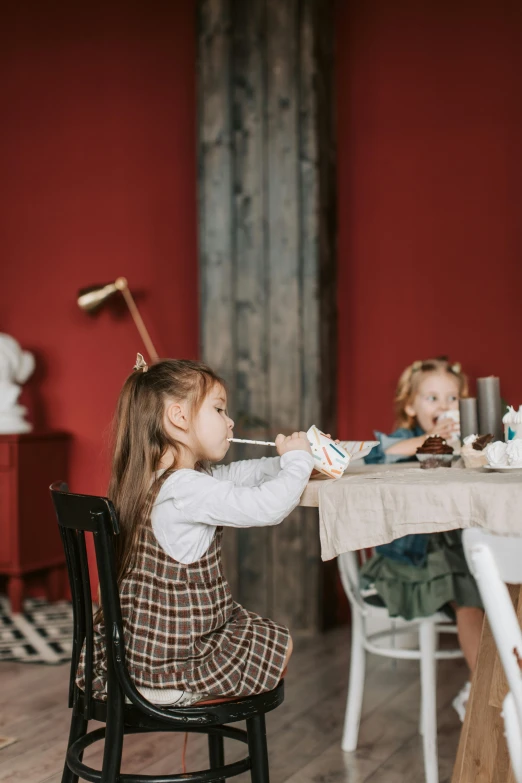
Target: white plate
<point x="504" y="467"/>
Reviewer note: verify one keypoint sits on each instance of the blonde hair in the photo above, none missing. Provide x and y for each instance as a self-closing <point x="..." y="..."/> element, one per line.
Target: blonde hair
<point x="411" y="379"/>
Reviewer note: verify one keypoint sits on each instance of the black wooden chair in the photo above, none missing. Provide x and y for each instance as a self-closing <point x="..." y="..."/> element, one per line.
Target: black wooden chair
<point x="126" y="711"/>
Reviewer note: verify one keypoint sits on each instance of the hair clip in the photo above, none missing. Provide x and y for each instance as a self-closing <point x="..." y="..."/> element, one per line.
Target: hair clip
<point x="416" y="366"/>
<point x="456" y="368"/>
<point x="141" y="364"/>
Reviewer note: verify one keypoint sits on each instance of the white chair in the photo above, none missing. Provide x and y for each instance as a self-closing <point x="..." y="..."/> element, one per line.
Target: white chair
<point x="427" y="653"/>
<point x="494" y="561"/>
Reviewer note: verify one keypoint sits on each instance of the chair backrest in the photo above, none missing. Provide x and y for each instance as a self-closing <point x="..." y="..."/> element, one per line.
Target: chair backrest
<point x="77" y="515"/>
<point x="494" y="561"/>
<point x="348" y="564"/>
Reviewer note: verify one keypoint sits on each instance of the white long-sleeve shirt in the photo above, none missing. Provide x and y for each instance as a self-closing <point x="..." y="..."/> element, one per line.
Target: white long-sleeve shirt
<point x="190" y="505"/>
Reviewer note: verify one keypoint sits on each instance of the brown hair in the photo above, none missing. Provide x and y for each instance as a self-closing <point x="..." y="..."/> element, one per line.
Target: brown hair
<point x="140" y="442"/>
<point x="410" y="381"/>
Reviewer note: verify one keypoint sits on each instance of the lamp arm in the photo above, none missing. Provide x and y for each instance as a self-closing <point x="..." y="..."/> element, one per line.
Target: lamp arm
<point x="138" y="320"/>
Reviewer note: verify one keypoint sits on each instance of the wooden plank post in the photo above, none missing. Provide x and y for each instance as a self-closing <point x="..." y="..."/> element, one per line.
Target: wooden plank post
<point x="267" y="261"/>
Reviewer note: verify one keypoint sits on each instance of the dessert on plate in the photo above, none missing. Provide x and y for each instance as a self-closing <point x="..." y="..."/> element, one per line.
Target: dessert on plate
<point x="514" y="453"/>
<point x="435" y="453"/>
<point x="504" y="455"/>
<point x="473" y="450"/>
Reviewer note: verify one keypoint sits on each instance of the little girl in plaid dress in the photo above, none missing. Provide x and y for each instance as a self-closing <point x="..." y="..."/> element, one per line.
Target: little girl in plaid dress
<point x="186" y="639"/>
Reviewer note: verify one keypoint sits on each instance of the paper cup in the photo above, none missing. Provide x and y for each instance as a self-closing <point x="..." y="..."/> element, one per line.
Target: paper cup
<point x="330" y="458"/>
<point x="473" y="458"/>
<point x="428" y="460"/>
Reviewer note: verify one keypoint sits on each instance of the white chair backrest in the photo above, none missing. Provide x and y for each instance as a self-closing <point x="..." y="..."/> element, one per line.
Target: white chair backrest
<point x="365" y="554"/>
<point x="349" y="571"/>
<point x="494" y="561"/>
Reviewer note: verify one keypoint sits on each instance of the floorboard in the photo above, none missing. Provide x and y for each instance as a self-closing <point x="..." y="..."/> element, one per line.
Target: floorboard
<point x="304" y="733"/>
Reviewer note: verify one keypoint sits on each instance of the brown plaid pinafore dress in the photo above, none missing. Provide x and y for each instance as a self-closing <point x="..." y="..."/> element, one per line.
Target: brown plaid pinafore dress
<point x="183" y="630"/>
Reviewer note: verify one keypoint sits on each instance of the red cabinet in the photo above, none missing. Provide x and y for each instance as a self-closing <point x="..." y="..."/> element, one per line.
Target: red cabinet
<point x="29" y="537"/>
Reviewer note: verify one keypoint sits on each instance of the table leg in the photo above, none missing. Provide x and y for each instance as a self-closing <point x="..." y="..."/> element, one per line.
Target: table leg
<point x="482" y="755"/>
<point x="15" y="592"/>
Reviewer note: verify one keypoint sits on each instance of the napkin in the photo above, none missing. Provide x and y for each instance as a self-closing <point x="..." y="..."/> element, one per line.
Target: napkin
<point x="358" y="449"/>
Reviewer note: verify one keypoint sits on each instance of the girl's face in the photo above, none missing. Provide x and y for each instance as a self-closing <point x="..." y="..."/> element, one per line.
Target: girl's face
<point x="212" y="427"/>
<point x="437" y="392"/>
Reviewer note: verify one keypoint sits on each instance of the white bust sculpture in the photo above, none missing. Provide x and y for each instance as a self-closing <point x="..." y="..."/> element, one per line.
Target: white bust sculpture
<point x="16" y="366"/>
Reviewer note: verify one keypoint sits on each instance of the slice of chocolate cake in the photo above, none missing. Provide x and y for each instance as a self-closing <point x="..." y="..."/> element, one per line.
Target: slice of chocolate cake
<point x="481" y="442"/>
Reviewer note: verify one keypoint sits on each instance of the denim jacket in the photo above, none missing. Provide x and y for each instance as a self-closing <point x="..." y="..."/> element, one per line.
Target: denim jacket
<point x="411" y="549"/>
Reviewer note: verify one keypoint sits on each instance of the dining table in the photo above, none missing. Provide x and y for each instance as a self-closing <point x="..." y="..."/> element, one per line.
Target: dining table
<point x="375" y="504"/>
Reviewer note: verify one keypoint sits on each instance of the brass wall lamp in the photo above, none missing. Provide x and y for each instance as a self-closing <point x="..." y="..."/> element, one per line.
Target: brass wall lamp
<point x="92" y="298"/>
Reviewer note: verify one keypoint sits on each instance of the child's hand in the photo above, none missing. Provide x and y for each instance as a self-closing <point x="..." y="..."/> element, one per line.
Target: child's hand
<point x="298" y="441"/>
<point x="335" y="441"/>
<point x="445" y="428"/>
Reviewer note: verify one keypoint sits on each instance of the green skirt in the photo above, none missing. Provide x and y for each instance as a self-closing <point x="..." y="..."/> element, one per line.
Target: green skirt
<point x="410" y="591"/>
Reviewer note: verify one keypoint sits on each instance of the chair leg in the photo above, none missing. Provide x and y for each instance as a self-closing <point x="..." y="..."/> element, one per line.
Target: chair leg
<point x="114" y="730"/>
<point x="428" y="638"/>
<point x="513" y="735"/>
<point x="257" y="748"/>
<point x="352" y="716"/>
<point x="216" y="752"/>
<point x="78" y="729"/>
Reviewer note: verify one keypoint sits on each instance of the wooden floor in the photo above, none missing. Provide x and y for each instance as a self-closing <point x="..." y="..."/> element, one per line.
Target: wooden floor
<point x="304" y="733"/>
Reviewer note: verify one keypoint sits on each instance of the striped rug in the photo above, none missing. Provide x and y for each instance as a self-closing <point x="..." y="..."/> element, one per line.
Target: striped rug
<point x="41" y="634"/>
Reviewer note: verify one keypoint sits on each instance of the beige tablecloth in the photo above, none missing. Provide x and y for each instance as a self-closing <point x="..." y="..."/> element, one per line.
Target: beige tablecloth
<point x="374" y="504"/>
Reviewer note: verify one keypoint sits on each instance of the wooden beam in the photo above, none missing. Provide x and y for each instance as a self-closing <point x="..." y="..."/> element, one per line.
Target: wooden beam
<point x="216" y="213"/>
<point x="267" y="262"/>
<point x="252" y="291"/>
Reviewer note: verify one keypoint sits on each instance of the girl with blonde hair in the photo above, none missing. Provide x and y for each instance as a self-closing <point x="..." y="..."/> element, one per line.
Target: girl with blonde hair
<point x="419" y="575"/>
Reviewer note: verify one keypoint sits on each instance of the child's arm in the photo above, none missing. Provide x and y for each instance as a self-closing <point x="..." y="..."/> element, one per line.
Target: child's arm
<point x="408" y="446"/>
<point x="249" y="472"/>
<point x="203" y="498"/>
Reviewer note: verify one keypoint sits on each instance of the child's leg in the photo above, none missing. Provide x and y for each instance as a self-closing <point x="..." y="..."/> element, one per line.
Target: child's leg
<point x="469" y="627"/>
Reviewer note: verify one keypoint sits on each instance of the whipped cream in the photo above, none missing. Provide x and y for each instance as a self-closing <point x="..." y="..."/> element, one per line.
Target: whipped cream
<point x="512" y="416"/>
<point x="496" y="454"/>
<point x="469" y="439"/>
<point x="514" y="453"/>
<point x="455" y="415"/>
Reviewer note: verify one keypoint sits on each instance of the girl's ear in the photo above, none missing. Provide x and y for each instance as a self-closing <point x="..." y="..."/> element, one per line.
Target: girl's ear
<point x="410" y="410"/>
<point x="177" y="415"/>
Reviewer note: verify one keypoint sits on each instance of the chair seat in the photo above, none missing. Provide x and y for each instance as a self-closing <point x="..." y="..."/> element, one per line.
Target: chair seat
<point x="223" y="710"/>
<point x="217" y="700"/>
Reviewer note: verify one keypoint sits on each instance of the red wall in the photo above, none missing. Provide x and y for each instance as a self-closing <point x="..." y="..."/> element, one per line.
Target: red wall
<point x="98" y="173"/>
<point x="430" y="197"/>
